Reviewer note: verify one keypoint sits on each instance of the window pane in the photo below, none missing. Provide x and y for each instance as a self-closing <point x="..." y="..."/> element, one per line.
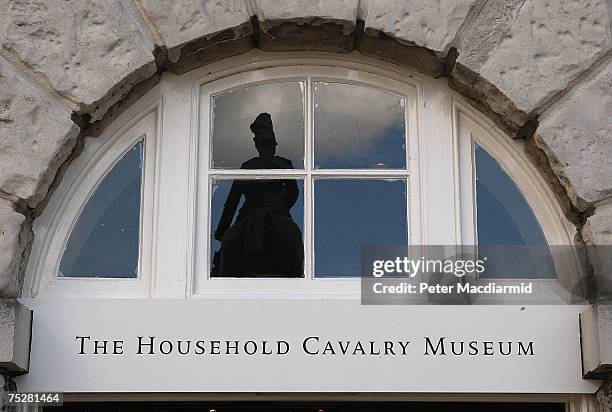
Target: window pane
<point x="358" y="127"/>
<point x="260" y="228"/>
<point x="508" y="231"/>
<point x="235" y="111"/>
<point x="351" y="213"/>
<point x="105" y="239"/>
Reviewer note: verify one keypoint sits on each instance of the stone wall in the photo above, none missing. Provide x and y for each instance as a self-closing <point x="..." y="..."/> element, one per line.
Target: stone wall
<point x="540" y="69"/>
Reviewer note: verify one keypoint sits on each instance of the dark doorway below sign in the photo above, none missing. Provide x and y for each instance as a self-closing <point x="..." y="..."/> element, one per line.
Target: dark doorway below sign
<point x="363" y="406"/>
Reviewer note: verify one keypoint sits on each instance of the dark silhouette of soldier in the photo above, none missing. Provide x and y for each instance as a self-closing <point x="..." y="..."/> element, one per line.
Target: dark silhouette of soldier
<point x="264" y="241"/>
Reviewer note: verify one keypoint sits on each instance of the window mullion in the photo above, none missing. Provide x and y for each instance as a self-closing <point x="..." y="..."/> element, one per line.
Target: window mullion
<point x="256" y="173"/>
<point x="308" y="184"/>
<point x="361" y="173"/>
<point x="438" y="161"/>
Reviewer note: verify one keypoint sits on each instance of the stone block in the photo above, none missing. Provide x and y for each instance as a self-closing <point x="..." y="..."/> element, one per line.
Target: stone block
<point x="596" y="341"/>
<point x="91" y="52"/>
<point x="483" y="36"/>
<point x="417" y="58"/>
<point x="487" y="98"/>
<point x="576" y="133"/>
<point x="12" y="244"/>
<point x="36" y="137"/>
<point x="597" y="233"/>
<point x="271" y="12"/>
<point x="598" y="228"/>
<point x="532" y="50"/>
<point x="15" y="333"/>
<point x="429" y="24"/>
<point x="292" y="36"/>
<point x="208" y="50"/>
<point x="181" y="22"/>
<point x="306" y="25"/>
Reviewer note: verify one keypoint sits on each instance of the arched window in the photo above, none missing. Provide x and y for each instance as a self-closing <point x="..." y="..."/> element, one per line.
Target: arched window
<point x="326" y="155"/>
<point x="98" y="225"/>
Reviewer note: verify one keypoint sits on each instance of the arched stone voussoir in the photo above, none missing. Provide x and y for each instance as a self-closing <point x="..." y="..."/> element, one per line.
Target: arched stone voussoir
<point x="412" y="34"/>
<point x="13" y="241"/>
<point x="36" y="137"/>
<point x="532" y="51"/>
<point x="432" y="25"/>
<point x="303" y="25"/>
<point x="199" y="31"/>
<point x="576" y="134"/>
<point x="597" y="234"/>
<point x="91" y="52"/>
<point x="415" y="34"/>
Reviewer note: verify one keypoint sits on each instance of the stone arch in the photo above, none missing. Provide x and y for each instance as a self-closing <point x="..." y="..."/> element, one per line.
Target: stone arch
<point x="542" y="71"/>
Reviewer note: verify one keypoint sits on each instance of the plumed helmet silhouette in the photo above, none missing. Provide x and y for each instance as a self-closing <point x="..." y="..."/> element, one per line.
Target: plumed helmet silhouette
<point x="263" y="129"/>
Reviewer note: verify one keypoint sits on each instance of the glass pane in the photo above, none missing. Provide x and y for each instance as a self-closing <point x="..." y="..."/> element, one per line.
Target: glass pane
<point x="508" y="231"/>
<point x="235" y="111"/>
<point x="357" y="127"/>
<point x="351" y="213"/>
<point x="257" y="227"/>
<point x="105" y="239"/>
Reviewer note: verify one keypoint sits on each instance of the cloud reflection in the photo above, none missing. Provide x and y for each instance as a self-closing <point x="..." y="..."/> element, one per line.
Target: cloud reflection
<point x="355" y="126"/>
<point x="358" y="127"/>
<point x="235" y="110"/>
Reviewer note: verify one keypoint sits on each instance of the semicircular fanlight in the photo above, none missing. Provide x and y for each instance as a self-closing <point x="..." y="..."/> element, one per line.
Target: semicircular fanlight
<point x="105" y="239"/>
<point x="508" y="231"/>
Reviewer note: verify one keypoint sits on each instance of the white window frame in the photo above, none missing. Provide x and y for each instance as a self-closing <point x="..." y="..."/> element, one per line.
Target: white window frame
<point x="474" y="129"/>
<point x="99" y="156"/>
<point x="309" y="284"/>
<point x="175" y="250"/>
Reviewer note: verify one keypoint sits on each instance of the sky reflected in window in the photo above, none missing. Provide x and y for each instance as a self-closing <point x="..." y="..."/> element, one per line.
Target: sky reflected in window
<point x="358" y="127"/>
<point x="508" y="231"/>
<point x="235" y="110"/>
<point x="351" y="213"/>
<point x="105" y="239"/>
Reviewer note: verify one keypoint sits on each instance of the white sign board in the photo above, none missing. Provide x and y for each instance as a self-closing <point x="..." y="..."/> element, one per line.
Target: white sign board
<point x="273" y="345"/>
